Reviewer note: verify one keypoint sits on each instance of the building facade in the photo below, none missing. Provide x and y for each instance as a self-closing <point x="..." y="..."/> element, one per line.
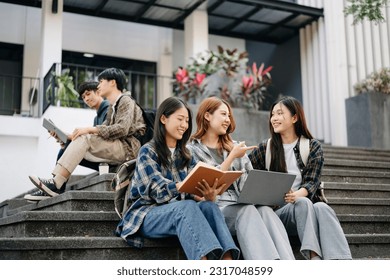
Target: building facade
<point x="319" y="66"/>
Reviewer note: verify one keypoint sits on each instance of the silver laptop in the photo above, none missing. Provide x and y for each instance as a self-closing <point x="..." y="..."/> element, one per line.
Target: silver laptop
<point x="266" y="188"/>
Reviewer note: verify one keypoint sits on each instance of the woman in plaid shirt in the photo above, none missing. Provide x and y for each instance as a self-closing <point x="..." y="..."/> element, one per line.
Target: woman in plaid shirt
<point x="316" y="224"/>
<point x="259" y="231"/>
<point x="158" y="209"/>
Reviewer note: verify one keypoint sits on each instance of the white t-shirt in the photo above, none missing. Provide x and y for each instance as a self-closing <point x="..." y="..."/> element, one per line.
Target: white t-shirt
<point x="292" y="164"/>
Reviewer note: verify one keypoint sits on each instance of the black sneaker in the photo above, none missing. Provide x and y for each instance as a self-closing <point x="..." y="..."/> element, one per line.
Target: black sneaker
<point x="36" y="196"/>
<point x="47" y="185"/>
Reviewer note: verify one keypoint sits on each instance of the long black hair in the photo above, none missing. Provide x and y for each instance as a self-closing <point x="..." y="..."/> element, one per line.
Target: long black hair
<point x="167" y="108"/>
<point x="278" y="162"/>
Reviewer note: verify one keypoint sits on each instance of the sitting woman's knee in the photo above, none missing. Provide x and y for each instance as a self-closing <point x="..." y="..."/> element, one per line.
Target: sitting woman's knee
<point x="205" y="205"/>
<point x="265" y="210"/>
<point x="303" y="202"/>
<point x="323" y="207"/>
<point x="247" y="210"/>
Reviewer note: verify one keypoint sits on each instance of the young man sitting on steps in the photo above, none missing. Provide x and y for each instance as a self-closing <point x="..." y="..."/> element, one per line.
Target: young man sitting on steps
<point x="89" y="93"/>
<point x="113" y="142"/>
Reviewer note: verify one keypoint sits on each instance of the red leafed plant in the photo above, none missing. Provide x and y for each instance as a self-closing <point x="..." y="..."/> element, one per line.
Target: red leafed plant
<point x="224" y="74"/>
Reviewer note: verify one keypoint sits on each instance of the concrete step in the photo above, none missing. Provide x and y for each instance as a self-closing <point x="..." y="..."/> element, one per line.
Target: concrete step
<point x="71" y="201"/>
<point x="87" y="248"/>
<point x="356" y="157"/>
<point x="355" y="151"/>
<point x="353" y="176"/>
<point x="345" y="164"/>
<point x="92" y="182"/>
<point x="365" y="224"/>
<point x="363" y="246"/>
<point x="59" y="224"/>
<point x="97" y="223"/>
<point x="375" y="206"/>
<point x="369" y="246"/>
<point x="356" y="190"/>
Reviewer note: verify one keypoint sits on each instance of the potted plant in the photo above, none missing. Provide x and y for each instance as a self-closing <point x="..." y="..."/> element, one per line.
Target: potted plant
<point x="63" y="93"/>
<point x="224" y="73"/>
<point x="368" y="113"/>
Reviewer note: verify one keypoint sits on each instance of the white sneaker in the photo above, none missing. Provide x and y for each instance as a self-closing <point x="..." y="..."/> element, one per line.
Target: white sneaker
<point x="36" y="196"/>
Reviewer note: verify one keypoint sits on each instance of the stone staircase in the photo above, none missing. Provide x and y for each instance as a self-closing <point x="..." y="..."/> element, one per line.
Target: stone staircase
<point x="79" y="224"/>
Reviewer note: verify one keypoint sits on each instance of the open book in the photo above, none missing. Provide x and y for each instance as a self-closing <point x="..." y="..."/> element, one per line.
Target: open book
<point x="51" y="127"/>
<point x="209" y="173"/>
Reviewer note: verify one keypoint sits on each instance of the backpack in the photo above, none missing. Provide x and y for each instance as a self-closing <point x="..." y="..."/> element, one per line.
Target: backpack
<point x="149" y="116"/>
<point x="121" y="186"/>
<point x="304" y="150"/>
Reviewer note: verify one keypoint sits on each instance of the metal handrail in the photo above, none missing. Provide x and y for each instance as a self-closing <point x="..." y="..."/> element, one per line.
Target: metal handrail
<point x="142" y="85"/>
<point x="13" y="88"/>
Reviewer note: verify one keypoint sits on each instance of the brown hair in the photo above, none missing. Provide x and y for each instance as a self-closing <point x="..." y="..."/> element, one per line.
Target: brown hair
<point x="210" y="105"/>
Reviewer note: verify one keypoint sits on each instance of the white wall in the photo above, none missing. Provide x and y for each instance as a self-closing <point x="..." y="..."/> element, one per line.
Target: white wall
<point x="112" y="37"/>
<point x="26" y="149"/>
<point x="214" y="42"/>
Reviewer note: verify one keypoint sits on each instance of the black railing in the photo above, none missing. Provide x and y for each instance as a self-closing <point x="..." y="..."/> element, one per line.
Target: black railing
<point x="143" y="86"/>
<point x="11" y="88"/>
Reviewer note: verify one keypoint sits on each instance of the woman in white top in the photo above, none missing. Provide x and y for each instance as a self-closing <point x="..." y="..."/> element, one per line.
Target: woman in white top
<point x="316" y="224"/>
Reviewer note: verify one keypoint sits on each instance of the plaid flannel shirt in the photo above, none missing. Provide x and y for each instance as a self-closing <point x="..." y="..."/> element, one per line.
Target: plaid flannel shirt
<point x="152" y="185"/>
<point x="124" y="119"/>
<point x="202" y="153"/>
<point x="311" y="173"/>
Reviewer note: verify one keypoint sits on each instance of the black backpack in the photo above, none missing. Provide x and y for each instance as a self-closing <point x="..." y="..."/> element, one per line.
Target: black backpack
<point x="149" y="116"/>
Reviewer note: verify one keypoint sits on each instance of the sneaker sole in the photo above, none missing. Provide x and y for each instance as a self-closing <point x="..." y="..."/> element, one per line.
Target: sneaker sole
<point x="41" y="186"/>
<point x="30" y="197"/>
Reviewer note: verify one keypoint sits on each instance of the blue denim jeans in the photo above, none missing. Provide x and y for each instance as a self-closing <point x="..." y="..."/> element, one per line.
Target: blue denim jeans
<point x="200" y="227"/>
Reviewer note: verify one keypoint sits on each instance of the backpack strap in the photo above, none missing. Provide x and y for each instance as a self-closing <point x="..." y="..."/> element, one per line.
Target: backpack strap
<point x="268" y="154"/>
<point x="304" y="149"/>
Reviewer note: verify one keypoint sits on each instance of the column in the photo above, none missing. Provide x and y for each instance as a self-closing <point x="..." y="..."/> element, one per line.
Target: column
<point x="338" y="82"/>
<point x="196" y="34"/>
<point x="51" y="36"/>
<point x="164" y="66"/>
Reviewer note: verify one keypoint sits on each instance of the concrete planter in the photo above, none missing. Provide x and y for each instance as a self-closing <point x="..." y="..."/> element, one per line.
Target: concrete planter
<point x="368" y="120"/>
<point x="251" y="126"/>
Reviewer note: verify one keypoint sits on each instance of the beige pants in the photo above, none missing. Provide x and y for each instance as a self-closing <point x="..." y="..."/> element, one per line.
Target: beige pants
<point x="93" y="148"/>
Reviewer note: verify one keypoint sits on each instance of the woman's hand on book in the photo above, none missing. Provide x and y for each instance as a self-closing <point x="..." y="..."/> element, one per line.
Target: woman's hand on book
<point x="209" y="192"/>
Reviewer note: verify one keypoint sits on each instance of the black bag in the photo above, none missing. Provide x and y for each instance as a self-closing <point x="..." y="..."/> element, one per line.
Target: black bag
<point x="121" y="185"/>
<point x="319" y="196"/>
<point x="149" y="117"/>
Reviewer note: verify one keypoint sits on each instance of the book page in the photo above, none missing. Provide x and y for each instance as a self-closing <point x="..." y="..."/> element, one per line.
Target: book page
<point x="209" y="173"/>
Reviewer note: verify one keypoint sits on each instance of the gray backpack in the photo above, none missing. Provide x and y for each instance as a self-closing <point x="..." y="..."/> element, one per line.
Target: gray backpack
<point x="304" y="149"/>
<point x="121" y="185"/>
